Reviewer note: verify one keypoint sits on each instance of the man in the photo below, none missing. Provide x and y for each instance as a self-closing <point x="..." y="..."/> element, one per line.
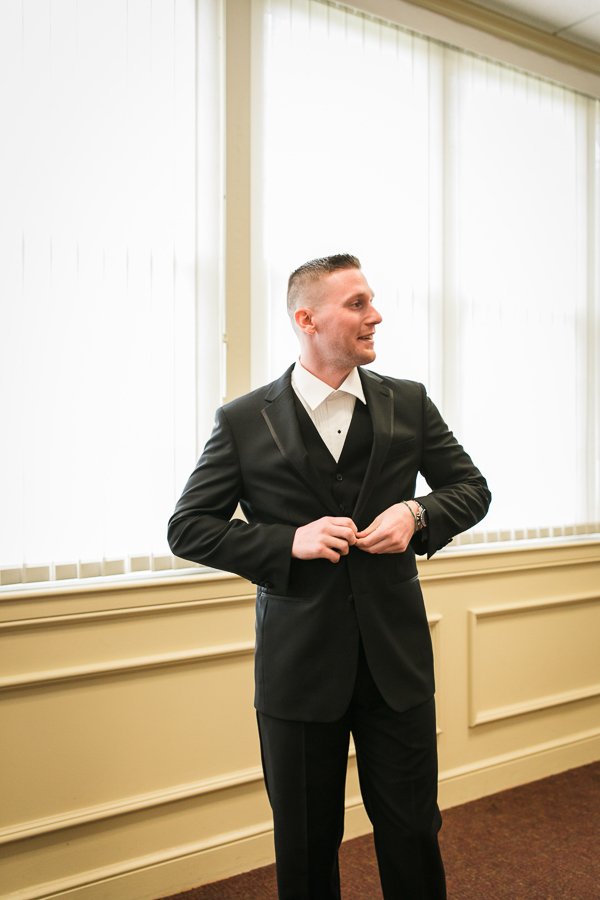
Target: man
<point x="323" y="462"/>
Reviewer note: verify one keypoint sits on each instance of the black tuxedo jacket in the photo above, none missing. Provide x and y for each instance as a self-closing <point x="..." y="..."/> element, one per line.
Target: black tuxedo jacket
<point x="311" y="613"/>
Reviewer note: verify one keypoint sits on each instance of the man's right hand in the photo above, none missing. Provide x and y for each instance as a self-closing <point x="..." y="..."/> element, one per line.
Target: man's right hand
<point x="328" y="538"/>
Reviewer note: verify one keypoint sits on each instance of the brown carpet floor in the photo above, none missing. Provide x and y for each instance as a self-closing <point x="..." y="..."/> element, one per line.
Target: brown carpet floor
<point x="540" y="841"/>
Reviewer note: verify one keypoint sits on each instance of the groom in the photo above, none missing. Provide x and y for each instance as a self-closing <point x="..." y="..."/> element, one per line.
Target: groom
<point x="323" y="462"/>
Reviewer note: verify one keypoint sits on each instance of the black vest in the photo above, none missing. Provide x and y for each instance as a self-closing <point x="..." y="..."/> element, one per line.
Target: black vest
<point x="345" y="477"/>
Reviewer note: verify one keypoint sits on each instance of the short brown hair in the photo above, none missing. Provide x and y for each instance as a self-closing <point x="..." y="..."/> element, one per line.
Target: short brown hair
<point x="313" y="270"/>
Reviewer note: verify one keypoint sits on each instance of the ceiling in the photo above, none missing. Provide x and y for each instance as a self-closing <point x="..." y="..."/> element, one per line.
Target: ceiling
<point x="574" y="20"/>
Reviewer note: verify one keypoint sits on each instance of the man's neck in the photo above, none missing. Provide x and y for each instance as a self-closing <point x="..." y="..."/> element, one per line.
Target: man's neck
<point x="333" y="377"/>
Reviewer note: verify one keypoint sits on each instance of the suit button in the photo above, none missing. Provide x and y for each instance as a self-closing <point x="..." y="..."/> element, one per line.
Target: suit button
<point x="342" y="508"/>
<point x="339" y="477"/>
<point x="351" y="599"/>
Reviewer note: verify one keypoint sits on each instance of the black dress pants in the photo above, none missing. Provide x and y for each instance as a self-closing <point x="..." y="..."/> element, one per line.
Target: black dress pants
<point x="305" y="771"/>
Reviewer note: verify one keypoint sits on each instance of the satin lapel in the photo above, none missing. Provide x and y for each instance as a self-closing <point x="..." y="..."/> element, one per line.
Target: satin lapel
<point x="282" y="421"/>
<point x="380" y="403"/>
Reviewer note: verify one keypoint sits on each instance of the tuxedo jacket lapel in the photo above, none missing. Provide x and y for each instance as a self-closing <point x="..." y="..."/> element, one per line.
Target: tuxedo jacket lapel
<point x="380" y="404"/>
<point x="282" y="421"/>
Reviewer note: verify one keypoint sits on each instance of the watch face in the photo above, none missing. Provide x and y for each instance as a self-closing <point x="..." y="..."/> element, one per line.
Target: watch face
<point x="421" y="518"/>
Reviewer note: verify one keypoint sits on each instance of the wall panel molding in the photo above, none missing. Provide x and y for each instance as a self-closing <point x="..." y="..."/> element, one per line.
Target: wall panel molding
<point x="482" y="777"/>
<point x="102" y="811"/>
<point x="87" y="587"/>
<point x="97" y="876"/>
<point x="129" y="805"/>
<point x="479" y="714"/>
<point x="590" y="737"/>
<point x="125" y="667"/>
<point x="115" y="615"/>
<point x="510" y="609"/>
<point x="101" y="875"/>
<point x="520" y="709"/>
<point x="493" y="562"/>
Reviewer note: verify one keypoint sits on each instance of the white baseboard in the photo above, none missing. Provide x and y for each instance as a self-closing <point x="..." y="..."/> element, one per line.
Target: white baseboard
<point x="149" y="880"/>
<point x="469" y="782"/>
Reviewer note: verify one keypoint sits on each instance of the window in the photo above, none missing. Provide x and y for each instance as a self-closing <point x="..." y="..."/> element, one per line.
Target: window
<point x="104" y="267"/>
<point x="470" y="191"/>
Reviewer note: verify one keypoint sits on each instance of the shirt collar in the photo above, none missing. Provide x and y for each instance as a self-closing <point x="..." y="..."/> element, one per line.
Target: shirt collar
<point x="314" y="391"/>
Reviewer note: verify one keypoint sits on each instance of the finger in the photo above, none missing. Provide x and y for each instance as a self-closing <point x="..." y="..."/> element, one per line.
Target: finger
<point x="385" y="543"/>
<point x="339" y="544"/>
<point x="368" y="530"/>
<point x="370" y="547"/>
<point x="333" y="527"/>
<point x="378" y="542"/>
<point x="375" y="548"/>
<point x="330" y="555"/>
<point x="345" y="534"/>
<point x="372" y="536"/>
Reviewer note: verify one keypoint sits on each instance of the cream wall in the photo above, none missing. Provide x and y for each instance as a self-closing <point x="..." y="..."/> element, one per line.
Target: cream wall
<point x="128" y="749"/>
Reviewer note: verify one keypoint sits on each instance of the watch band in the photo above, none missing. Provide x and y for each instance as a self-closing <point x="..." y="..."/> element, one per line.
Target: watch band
<point x="420" y="517"/>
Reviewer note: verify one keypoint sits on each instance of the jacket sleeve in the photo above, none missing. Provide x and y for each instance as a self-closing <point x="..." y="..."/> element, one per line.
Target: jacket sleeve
<point x="460" y="496"/>
<point x="202" y="529"/>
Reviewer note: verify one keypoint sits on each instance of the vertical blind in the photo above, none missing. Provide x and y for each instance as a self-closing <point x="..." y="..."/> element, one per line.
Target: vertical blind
<point x="98" y="234"/>
<point x="470" y="191"/>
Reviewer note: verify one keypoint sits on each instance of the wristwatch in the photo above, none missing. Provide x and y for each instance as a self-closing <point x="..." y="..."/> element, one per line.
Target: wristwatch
<point x="420" y="517"/>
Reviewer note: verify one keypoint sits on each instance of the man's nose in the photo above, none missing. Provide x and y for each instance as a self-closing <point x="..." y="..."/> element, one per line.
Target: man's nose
<point x="375" y="316"/>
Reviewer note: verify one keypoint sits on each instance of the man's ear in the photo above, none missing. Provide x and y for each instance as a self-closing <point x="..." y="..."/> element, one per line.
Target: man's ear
<point x="303" y="318"/>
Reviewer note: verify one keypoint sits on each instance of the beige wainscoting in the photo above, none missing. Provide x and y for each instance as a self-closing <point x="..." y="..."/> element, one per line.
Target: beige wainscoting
<point x="128" y="752"/>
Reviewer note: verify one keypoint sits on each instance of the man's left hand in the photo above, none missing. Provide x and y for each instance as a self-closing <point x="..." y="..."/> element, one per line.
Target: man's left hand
<point x="389" y="532"/>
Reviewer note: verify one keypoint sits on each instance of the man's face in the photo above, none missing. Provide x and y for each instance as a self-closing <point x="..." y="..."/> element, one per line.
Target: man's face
<point x="344" y="320"/>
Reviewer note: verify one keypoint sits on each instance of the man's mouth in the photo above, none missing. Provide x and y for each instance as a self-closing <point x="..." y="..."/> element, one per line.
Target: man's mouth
<point x="367" y="337"/>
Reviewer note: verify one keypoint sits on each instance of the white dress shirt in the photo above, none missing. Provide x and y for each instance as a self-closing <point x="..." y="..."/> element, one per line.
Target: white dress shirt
<point x="330" y="410"/>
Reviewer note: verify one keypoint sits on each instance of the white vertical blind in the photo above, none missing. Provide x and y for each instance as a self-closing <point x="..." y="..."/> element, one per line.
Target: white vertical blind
<point x="470" y="193"/>
<point x="98" y="369"/>
<point x="348" y="162"/>
<point x="517" y="291"/>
